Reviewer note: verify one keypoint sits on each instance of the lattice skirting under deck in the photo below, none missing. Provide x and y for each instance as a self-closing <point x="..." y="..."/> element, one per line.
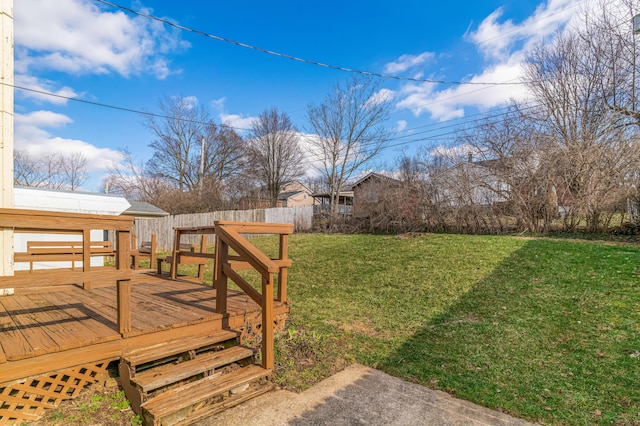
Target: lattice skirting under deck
<point x="251" y="332"/>
<point x="27" y="401"/>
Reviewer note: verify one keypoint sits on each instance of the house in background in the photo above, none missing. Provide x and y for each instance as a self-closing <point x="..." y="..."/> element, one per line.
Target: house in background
<point x="370" y="191"/>
<point x="322" y="203"/>
<point x="474" y="183"/>
<point x="293" y="194"/>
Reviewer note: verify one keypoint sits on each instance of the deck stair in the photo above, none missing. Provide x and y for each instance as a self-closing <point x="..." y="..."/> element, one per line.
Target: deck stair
<point x="182" y="381"/>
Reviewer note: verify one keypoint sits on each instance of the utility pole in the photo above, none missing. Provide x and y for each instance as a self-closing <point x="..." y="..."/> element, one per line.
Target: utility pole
<point x="201" y="176"/>
<point x="6" y="138"/>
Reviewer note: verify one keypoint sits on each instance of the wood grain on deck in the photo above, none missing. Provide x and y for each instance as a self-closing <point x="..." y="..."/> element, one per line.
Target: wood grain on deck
<point x="48" y="322"/>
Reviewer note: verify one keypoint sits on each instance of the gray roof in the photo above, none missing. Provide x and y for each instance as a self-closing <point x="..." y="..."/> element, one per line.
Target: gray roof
<point x="287" y="195"/>
<point x="374" y="175"/>
<point x="142" y="208"/>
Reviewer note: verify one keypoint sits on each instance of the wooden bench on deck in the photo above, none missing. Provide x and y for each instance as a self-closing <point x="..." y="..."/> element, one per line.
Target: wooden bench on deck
<point x="186" y="254"/>
<point x="147" y="250"/>
<point x="62" y="251"/>
<point x="33" y="222"/>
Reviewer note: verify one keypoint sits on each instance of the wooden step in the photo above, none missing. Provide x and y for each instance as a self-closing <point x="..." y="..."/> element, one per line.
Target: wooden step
<point x="205" y="412"/>
<point x="194" y="393"/>
<point x="165" y="375"/>
<point x="174" y="347"/>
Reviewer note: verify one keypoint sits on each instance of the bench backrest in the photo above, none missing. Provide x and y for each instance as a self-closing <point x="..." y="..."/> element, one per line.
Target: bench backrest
<point x="187" y="247"/>
<point x="145" y="247"/>
<point x="68" y="247"/>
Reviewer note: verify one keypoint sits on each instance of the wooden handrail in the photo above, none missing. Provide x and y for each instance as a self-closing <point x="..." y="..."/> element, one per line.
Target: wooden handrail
<point x="260" y="261"/>
<point x="258" y="228"/>
<point x="249" y="257"/>
<point x="61" y="221"/>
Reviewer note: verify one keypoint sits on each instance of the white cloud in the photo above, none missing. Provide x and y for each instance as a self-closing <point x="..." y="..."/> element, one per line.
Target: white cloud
<point x="45" y="86"/>
<point x="449" y="103"/>
<point x="503" y="44"/>
<point x="401" y="125"/>
<point x="381" y="96"/>
<point x="404" y="62"/>
<point x="77" y="36"/>
<point x="218" y="104"/>
<point x="237" y="121"/>
<point x="496" y="39"/>
<point x="312" y="155"/>
<point x="30" y="136"/>
<point x="188" y="102"/>
<point x="42" y="119"/>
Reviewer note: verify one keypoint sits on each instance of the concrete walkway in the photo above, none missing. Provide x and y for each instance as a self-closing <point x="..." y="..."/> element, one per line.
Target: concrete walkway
<point x="360" y="396"/>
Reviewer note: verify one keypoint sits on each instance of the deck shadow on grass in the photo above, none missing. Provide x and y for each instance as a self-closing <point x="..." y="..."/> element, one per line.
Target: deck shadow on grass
<point x="527" y="338"/>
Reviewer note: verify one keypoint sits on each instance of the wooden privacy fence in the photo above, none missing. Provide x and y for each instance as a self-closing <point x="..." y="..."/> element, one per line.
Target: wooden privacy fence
<point x="300" y="217"/>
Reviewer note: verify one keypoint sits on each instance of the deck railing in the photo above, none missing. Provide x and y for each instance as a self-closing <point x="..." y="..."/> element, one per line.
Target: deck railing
<point x="247" y="257"/>
<point x="37" y="222"/>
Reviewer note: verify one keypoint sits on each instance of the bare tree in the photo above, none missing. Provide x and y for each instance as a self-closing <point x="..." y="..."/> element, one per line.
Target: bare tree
<point x="347" y="131"/>
<point x="29" y="170"/>
<point x="275" y="156"/>
<point x="609" y="41"/>
<point x="55" y="171"/>
<point x="195" y="162"/>
<point x="130" y="178"/>
<point x="73" y="170"/>
<point x="591" y="149"/>
<point x="224" y="155"/>
<point x="177" y="141"/>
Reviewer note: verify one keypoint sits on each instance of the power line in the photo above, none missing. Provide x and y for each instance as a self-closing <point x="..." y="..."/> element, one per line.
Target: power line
<point x="436" y="126"/>
<point x="119" y="108"/>
<point x="298" y="59"/>
<point x="441" y="125"/>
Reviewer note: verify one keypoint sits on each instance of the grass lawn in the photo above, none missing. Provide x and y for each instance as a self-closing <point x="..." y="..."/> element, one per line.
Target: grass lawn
<point x="546" y="330"/>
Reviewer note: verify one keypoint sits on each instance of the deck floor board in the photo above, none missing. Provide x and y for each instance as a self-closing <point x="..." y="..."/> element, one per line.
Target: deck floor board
<point x="12" y="340"/>
<point x="27" y="323"/>
<point x="98" y="309"/>
<point x="60" y="331"/>
<point x="78" y="319"/>
<point x="35" y="324"/>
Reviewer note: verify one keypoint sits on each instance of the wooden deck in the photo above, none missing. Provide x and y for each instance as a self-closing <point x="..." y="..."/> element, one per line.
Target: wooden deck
<point x="60" y="329"/>
<point x="71" y="326"/>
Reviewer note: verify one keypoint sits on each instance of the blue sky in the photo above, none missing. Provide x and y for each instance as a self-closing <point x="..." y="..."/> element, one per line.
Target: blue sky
<point x="88" y="50"/>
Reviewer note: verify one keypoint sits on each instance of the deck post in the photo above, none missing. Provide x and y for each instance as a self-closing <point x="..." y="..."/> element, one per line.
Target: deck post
<point x="282" y="276"/>
<point x="6" y="131"/>
<point x="220" y="278"/>
<point x="154" y="249"/>
<point x="124" y="306"/>
<point x="86" y="256"/>
<point x="267" y="322"/>
<point x="123" y="250"/>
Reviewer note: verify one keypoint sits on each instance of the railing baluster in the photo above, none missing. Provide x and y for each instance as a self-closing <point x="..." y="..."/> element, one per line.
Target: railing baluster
<point x="267" y="322"/>
<point x="86" y="255"/>
<point x="282" y="276"/>
<point x="220" y="278"/>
